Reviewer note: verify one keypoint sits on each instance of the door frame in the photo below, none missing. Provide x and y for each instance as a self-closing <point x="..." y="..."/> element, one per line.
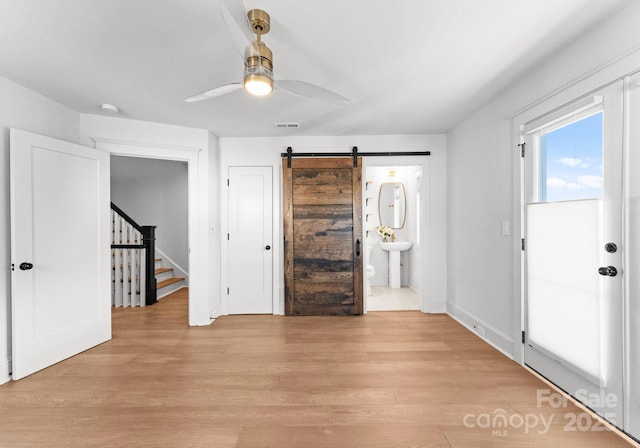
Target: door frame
<point x="276" y="228"/>
<point x="199" y="312"/>
<point x="426" y="229"/>
<point x="588" y="83"/>
<point x="609" y="102"/>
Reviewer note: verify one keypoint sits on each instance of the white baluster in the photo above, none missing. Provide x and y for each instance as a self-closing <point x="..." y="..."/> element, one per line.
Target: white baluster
<point x="126" y="278"/>
<point x="139" y="276"/>
<point x="118" y="278"/>
<point x="126" y="284"/>
<point x="128" y="265"/>
<point x="113" y="258"/>
<point x="134" y="278"/>
<point x="113" y="277"/>
<point x="142" y="277"/>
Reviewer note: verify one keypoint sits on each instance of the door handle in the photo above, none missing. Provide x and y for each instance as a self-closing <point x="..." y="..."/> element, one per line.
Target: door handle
<point x="608" y="271"/>
<point x="357" y="248"/>
<point x="267" y="247"/>
<point x="25" y="266"/>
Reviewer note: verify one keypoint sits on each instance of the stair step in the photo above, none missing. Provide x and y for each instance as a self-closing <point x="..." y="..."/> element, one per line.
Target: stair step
<point x="163" y="270"/>
<point x="169" y="281"/>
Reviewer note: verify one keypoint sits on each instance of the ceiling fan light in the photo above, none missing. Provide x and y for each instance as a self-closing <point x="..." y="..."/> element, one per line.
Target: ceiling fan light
<point x="258" y="85"/>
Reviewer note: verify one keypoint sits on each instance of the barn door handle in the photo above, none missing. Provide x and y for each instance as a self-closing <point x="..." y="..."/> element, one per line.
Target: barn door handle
<point x="25" y="266"/>
<point x="357" y="248"/>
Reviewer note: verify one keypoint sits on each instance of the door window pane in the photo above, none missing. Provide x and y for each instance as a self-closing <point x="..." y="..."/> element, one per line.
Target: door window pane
<point x="570" y="161"/>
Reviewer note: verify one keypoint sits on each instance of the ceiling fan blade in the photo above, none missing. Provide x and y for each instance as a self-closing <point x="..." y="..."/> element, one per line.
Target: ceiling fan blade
<point x="218" y="91"/>
<point x="237" y="22"/>
<point x="308" y="90"/>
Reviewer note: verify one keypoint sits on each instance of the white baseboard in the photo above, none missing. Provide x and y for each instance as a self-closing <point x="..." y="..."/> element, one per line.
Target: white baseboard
<point x="499" y="340"/>
<point x="5" y="368"/>
<point x="438" y="308"/>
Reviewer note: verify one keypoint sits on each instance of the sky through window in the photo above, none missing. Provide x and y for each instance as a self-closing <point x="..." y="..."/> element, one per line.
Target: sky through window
<point x="571" y="161"/>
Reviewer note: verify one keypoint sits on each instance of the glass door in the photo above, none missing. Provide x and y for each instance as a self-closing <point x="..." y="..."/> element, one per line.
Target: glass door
<point x="573" y="251"/>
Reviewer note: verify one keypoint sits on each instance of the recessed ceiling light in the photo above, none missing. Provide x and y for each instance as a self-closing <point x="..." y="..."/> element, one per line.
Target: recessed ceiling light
<point x="111" y="108"/>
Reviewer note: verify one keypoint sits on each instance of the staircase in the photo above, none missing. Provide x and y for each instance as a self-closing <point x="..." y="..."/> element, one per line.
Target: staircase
<point x="167" y="280"/>
<point x="132" y="248"/>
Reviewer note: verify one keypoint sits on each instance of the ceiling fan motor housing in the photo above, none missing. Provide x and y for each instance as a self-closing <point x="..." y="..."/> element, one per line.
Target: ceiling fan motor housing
<point x="258" y="72"/>
<point x="258" y="54"/>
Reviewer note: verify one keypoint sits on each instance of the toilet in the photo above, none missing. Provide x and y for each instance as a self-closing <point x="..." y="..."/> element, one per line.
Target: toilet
<point x="371" y="272"/>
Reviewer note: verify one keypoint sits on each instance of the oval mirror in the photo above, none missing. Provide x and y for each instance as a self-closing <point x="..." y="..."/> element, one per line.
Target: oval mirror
<point x="392" y="205"/>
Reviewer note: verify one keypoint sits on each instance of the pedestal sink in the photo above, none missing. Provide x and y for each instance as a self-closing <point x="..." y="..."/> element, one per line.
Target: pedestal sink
<point x="394" y="249"/>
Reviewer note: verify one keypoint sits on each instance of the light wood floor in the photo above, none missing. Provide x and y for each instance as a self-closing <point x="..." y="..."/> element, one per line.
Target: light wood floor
<point x="392" y="379"/>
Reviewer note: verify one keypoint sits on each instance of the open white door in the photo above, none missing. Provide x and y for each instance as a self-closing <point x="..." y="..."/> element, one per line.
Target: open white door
<point x="60" y="250"/>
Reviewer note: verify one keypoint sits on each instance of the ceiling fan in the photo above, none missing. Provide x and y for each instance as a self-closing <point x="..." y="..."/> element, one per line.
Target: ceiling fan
<point x="258" y="59"/>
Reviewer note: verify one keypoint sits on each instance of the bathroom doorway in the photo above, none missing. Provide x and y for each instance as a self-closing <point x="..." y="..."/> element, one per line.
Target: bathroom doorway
<point x="394" y="211"/>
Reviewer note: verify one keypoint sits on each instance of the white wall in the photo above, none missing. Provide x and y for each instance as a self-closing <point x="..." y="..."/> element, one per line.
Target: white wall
<point x="266" y="152"/>
<point x="154" y="192"/>
<point x="24" y="109"/>
<point x="483" y="180"/>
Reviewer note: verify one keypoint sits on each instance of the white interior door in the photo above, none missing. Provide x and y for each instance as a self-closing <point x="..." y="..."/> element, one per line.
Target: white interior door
<point x="60" y="250"/>
<point x="250" y="239"/>
<point x="574" y="250"/>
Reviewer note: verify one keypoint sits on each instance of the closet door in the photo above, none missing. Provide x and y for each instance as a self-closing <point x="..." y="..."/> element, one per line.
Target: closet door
<point x="250" y="239"/>
<point x="322" y="236"/>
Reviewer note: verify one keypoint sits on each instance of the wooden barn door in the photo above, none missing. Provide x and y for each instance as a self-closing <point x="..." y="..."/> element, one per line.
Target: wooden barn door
<point x="323" y="236"/>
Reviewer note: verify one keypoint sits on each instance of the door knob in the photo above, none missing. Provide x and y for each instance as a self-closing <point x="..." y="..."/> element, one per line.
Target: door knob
<point x="609" y="271"/>
<point x="25" y="266"/>
<point x="267" y="247"/>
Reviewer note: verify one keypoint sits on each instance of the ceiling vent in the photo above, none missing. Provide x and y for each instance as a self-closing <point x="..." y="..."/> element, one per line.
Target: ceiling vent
<point x="286" y="125"/>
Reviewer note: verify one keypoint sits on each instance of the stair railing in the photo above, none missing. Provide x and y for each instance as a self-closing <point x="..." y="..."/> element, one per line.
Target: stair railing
<point x="132" y="251"/>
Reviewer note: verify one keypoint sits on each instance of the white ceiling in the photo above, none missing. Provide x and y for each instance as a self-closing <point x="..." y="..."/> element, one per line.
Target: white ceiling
<point x="408" y="66"/>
